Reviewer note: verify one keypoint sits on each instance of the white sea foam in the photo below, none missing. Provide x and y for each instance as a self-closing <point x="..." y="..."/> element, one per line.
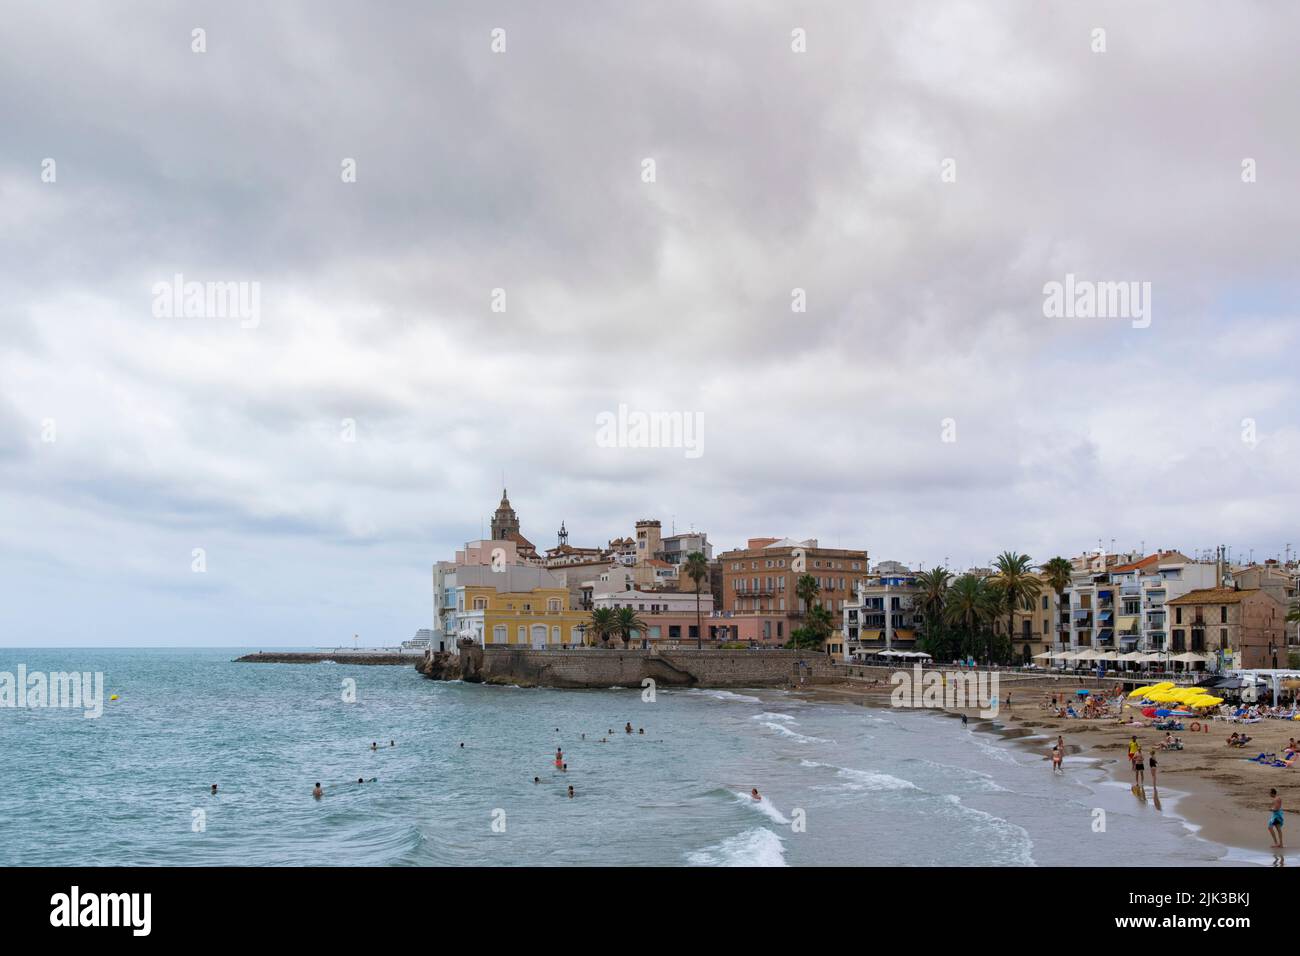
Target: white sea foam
<point x="757" y="847"/>
<point x="724" y="695"/>
<point x="768" y="715"/>
<point x="1011" y="842"/>
<point x="792" y="734"/>
<point x="864" y="779"/>
<point x="763" y="806"/>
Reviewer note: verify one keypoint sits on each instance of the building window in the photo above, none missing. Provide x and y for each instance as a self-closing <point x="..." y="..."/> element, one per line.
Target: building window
<point x="500" y="635"/>
<point x="1178" y="615"/>
<point x="1223" y="614"/>
<point x="480" y="604"/>
<point x="553" y="605"/>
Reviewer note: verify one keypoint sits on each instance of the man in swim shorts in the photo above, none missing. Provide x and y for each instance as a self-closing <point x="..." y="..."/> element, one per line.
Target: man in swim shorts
<point x="1275" y="819"/>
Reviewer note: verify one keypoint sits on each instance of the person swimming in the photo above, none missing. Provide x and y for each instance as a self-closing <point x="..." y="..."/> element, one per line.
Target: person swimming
<point x="214" y="789"/>
<point x="360" y="780"/>
<point x="317" y="792"/>
<point x="537" y="779"/>
<point x="628" y="728"/>
<point x="392" y="743"/>
<point x="754" y="794"/>
<point x="641" y="731"/>
<point x="570" y="791"/>
<point x="374" y="745"/>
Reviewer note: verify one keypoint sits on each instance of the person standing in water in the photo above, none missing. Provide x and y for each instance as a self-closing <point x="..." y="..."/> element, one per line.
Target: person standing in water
<point x="628" y="728"/>
<point x="1275" y="819"/>
<point x="214" y="789"/>
<point x="570" y="791"/>
<point x="317" y="792"/>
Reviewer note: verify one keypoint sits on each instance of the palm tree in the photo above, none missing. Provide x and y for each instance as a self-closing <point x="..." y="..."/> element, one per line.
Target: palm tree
<point x="603" y="625"/>
<point x="1018" y="584"/>
<point x="807" y="589"/>
<point x="697" y="569"/>
<point x="970" y="606"/>
<point x="1057" y="573"/>
<point x="626" y="623"/>
<point x="931" y="595"/>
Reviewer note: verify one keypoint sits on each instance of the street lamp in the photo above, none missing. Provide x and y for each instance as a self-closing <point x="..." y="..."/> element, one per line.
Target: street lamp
<point x="582" y="634"/>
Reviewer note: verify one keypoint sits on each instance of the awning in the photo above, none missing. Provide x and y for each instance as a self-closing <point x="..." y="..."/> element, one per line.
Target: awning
<point x="1105" y="615"/>
<point x="1132" y="656"/>
<point x="1127" y="622"/>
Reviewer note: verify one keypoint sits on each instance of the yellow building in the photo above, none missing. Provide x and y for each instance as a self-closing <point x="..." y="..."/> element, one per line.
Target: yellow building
<point x="516" y="606"/>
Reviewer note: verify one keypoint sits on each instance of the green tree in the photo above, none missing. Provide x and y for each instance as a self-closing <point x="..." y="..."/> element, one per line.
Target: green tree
<point x="1057" y="573"/>
<point x="602" y="626"/>
<point x="971" y="605"/>
<point x="697" y="569"/>
<point x="930" y="599"/>
<point x="627" y="623"/>
<point x="1017" y="586"/>
<point x="807" y="589"/>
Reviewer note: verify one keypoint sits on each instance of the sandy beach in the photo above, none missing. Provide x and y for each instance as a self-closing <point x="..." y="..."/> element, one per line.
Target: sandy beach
<point x="1226" y="794"/>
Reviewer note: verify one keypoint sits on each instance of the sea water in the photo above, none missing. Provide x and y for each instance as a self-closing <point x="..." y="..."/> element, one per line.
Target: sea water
<point x="841" y="784"/>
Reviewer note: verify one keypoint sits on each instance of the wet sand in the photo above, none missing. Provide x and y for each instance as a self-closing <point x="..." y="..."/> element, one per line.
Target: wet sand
<point x="1226" y="795"/>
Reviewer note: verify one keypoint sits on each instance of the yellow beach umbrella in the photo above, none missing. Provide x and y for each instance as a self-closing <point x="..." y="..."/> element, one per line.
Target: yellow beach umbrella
<point x="1164" y="685"/>
<point x="1209" y="701"/>
<point x="1141" y="691"/>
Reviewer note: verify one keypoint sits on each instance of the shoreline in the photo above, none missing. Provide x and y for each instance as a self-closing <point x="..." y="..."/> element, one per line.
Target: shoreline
<point x="1213" y="790"/>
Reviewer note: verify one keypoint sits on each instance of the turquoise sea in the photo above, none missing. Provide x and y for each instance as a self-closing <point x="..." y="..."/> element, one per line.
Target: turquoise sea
<point x="842" y="784"/>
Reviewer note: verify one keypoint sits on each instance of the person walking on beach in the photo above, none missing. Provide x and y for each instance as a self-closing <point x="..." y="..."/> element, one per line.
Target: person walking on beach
<point x="1275" y="819"/>
<point x="964" y="719"/>
<point x="1056" y="759"/>
<point x="1139" y="765"/>
<point x="1152" y="761"/>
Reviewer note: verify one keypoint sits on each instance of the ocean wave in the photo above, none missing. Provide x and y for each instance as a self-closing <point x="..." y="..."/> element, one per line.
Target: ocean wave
<point x="763" y="806"/>
<point x="1011" y="844"/>
<point x="723" y="695"/>
<point x="768" y="715"/>
<point x="757" y="847"/>
<point x="864" y="779"/>
<point x="794" y="734"/>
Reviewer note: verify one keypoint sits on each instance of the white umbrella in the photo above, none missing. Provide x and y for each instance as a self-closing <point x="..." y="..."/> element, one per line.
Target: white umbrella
<point x="1045" y="656"/>
<point x="1088" y="655"/>
<point x="1188" y="658"/>
<point x="1132" y="656"/>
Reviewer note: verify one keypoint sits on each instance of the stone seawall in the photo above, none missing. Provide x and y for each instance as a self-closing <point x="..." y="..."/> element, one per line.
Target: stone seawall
<point x="337" y="657"/>
<point x="595" y="667"/>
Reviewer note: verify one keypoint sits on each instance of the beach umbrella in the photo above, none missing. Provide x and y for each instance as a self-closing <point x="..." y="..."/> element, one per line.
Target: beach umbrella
<point x="1082" y="693"/>
<point x="1140" y="692"/>
<point x="1162" y="712"/>
<point x="1164" y="684"/>
<point x="1149" y="712"/>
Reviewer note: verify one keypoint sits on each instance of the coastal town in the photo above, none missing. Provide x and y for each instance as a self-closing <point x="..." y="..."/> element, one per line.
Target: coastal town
<point x="1101" y="610"/>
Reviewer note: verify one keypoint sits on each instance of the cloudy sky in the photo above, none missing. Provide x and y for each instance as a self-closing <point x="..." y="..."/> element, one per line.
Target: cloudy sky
<point x="128" y="439"/>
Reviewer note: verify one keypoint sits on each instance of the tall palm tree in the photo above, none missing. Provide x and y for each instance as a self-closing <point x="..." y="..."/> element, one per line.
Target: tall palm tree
<point x="807" y="589"/>
<point x="626" y="623"/>
<point x="697" y="569"/>
<point x="602" y="626"/>
<point x="1017" y="583"/>
<point x="931" y="595"/>
<point x="1057" y="573"/>
<point x="970" y="606"/>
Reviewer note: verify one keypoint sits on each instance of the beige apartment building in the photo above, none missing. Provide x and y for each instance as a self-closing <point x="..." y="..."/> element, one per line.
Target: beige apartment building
<point x="1246" y="622"/>
<point x="761" y="580"/>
